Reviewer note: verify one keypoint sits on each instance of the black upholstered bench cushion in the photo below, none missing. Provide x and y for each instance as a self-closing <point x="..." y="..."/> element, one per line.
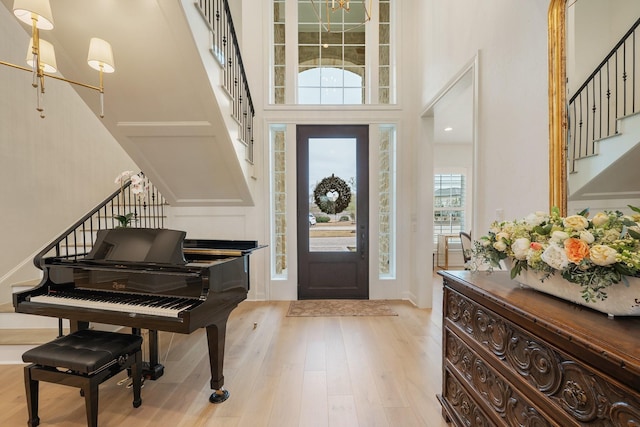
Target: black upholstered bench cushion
<point x="84" y="351"/>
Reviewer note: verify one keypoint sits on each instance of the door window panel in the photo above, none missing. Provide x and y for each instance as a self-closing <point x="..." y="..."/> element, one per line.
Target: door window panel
<point x="332" y="194"/>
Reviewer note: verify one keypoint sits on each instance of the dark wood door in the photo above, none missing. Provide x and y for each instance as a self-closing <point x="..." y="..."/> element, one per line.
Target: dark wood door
<point x="333" y="214"/>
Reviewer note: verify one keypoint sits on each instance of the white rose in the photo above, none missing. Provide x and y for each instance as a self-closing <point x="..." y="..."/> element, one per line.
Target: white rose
<point x="502" y="236"/>
<point x="559" y="236"/>
<point x="587" y="237"/>
<point x="555" y="257"/>
<point x="603" y="255"/>
<point x="611" y="235"/>
<point x="576" y="222"/>
<point x="500" y="246"/>
<point x="600" y="219"/>
<point x="536" y="218"/>
<point x="520" y="248"/>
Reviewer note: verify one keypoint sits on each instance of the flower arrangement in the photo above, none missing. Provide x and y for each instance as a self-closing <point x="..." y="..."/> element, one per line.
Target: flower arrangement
<point x="592" y="253"/>
<point x="139" y="186"/>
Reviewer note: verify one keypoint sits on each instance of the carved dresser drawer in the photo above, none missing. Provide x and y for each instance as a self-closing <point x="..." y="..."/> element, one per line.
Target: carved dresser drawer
<point x="514" y="356"/>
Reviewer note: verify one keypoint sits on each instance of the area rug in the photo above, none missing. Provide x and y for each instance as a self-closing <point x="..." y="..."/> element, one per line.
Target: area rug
<point x="320" y="308"/>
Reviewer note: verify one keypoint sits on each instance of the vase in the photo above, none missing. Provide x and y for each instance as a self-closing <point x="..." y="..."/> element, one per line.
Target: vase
<point x="622" y="300"/>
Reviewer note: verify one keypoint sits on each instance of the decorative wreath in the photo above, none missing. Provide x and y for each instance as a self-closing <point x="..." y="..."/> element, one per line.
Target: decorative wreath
<point x="332" y="184"/>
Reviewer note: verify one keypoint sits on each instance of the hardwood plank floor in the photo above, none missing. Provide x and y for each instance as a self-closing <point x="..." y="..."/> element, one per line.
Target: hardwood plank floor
<point x="287" y="371"/>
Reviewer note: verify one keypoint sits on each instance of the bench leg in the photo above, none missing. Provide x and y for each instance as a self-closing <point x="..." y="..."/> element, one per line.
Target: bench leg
<point x="31" y="386"/>
<point x="91" y="403"/>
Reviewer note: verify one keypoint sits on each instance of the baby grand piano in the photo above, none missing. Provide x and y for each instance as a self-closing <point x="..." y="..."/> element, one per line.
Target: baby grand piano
<point x="151" y="279"/>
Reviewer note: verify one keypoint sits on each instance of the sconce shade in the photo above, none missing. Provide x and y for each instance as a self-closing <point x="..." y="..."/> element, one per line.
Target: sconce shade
<point x="100" y="53"/>
<point x="47" y="56"/>
<point x="25" y="9"/>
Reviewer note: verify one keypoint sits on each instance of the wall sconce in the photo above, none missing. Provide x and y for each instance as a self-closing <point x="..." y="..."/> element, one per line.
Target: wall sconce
<point x="41" y="55"/>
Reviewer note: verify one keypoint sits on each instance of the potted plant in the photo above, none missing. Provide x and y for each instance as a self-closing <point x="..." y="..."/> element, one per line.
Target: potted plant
<point x="139" y="186"/>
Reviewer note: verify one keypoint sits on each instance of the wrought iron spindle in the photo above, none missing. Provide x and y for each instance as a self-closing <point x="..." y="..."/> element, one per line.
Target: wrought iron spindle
<point x="620" y="91"/>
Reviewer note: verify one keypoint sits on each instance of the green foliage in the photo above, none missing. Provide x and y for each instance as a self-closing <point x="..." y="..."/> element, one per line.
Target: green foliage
<point x="320" y="219"/>
<point x="124" y="220"/>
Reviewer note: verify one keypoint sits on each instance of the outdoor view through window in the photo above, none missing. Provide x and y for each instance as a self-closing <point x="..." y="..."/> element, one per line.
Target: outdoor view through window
<point x="332" y="194"/>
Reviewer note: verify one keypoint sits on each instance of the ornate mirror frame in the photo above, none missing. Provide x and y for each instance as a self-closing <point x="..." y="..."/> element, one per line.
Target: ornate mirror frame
<point x="557" y="110"/>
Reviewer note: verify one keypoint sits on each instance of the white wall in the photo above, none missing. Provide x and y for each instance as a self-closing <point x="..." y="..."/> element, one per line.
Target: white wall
<point x="52" y="170"/>
<point x="511" y="41"/>
<point x="228" y="223"/>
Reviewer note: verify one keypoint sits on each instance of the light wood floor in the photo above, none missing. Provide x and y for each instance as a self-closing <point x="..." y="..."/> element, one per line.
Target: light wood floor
<point x="322" y="371"/>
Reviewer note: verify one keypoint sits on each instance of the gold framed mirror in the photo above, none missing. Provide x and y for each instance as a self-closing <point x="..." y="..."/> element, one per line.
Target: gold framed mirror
<point x="557" y="111"/>
<point x="593" y="58"/>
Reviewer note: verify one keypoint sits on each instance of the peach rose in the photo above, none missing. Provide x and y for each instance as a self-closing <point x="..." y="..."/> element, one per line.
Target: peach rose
<point x="536" y="246"/>
<point x="576" y="249"/>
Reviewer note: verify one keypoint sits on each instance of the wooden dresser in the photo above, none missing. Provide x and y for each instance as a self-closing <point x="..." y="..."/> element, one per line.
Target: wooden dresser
<point x="514" y="356"/>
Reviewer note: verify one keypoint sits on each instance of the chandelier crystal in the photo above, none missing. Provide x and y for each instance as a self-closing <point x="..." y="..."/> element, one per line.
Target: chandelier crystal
<point x="339" y="16"/>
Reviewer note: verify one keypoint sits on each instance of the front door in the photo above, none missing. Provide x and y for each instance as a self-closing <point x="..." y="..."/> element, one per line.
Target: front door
<point x="333" y="214"/>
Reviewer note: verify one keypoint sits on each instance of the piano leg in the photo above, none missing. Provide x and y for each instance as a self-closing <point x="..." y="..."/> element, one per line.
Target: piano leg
<point x="151" y="370"/>
<point x="154" y="370"/>
<point x="216" y="339"/>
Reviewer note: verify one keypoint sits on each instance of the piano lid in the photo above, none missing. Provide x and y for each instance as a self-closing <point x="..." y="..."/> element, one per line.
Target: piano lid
<point x="206" y="247"/>
<point x="151" y="245"/>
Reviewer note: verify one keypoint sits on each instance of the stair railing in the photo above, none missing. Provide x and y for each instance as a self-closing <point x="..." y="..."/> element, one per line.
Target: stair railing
<point x="146" y="209"/>
<point x="607" y="95"/>
<point x="226" y="50"/>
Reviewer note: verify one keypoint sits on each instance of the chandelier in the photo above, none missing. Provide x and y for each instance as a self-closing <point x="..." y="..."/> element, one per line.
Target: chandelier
<point x="346" y="15"/>
<point x="41" y="56"/>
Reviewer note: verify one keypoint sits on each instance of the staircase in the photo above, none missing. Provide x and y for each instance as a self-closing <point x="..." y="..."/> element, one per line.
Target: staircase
<point x="611" y="172"/>
<point x="604" y="132"/>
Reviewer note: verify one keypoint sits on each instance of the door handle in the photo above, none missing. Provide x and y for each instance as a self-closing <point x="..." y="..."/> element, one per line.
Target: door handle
<point x="362" y="240"/>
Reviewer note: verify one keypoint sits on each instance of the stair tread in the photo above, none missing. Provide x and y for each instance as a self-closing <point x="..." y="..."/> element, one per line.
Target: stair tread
<point x="28" y="336"/>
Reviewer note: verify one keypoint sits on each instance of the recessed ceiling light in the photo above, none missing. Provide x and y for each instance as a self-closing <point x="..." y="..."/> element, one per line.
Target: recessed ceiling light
<point x="448" y="129"/>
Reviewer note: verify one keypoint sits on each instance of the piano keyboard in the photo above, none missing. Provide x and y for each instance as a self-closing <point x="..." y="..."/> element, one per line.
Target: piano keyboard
<point x="118" y="301"/>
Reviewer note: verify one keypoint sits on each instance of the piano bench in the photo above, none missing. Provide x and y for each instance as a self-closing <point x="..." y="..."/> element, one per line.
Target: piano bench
<point x="83" y="359"/>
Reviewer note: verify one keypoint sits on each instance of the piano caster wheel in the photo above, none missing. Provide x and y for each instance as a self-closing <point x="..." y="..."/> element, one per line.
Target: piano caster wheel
<point x="137" y="403"/>
<point x="219" y="396"/>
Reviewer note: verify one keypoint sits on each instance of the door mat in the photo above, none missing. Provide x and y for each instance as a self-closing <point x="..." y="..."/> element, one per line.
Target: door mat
<point x="325" y="308"/>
